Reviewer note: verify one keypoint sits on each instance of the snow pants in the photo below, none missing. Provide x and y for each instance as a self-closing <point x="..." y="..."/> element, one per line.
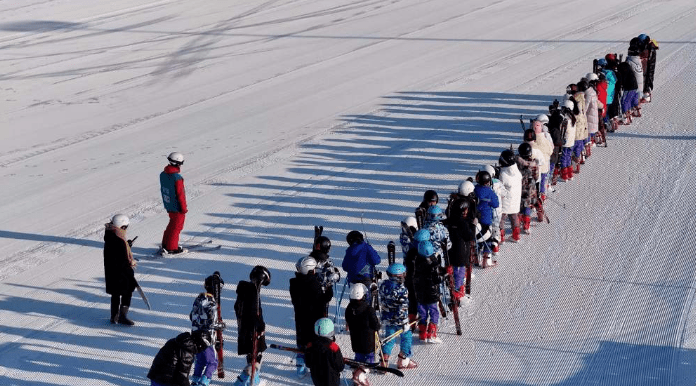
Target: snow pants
<point x="405" y="342"/>
<point x="170" y="239"/>
<point x="514" y="220"/>
<point x="631" y="99"/>
<point x="566" y="157"/>
<point x="428" y="310"/>
<point x="459" y="276"/>
<point x="544" y="177"/>
<point x="206" y="362"/>
<point x="578" y="147"/>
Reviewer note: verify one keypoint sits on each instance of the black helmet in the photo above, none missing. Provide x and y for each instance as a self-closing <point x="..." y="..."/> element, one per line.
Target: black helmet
<point x="483" y="178"/>
<point x="525" y="150"/>
<point x="322" y="244"/>
<point x="354" y="237"/>
<point x="209" y="283"/>
<point x="583" y="85"/>
<point x="572" y="89"/>
<point x="260" y="274"/>
<point x="530" y="135"/>
<point x="507" y="158"/>
<point x="430" y="195"/>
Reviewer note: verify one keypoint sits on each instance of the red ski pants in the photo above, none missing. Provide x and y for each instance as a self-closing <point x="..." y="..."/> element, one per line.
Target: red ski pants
<point x="170" y="239"/>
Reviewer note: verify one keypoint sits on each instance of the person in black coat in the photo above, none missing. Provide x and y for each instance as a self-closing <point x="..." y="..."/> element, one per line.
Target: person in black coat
<point x="119" y="274"/>
<point x="410" y="264"/>
<point x="250" y="324"/>
<point x="323" y="356"/>
<point x="172" y="364"/>
<point x="362" y="322"/>
<point x="309" y="300"/>
<point x="462" y="230"/>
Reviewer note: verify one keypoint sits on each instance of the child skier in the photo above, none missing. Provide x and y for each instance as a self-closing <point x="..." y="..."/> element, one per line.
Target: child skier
<point x="462" y="230"/>
<point x="581" y="132"/>
<point x="173" y="361"/>
<point x="204" y="317"/>
<point x="438" y="232"/>
<point x="511" y="178"/>
<point x="309" y="300"/>
<point x="427" y="281"/>
<point x="323" y="356"/>
<point x="487" y="202"/>
<point x="362" y="322"/>
<point x="251" y="327"/>
<point x="394" y="297"/>
<point x="568" y="111"/>
<point x="499" y="191"/>
<point x="409" y="227"/>
<point x="530" y="171"/>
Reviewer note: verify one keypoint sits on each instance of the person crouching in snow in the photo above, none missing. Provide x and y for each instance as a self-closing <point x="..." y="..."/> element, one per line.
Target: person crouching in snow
<point x="487" y="202"/>
<point x="427" y="281"/>
<point x="511" y="178"/>
<point x="362" y="322"/>
<point x="250" y="322"/>
<point x="173" y="362"/>
<point x="394" y="301"/>
<point x="119" y="268"/>
<point x="323" y="356"/>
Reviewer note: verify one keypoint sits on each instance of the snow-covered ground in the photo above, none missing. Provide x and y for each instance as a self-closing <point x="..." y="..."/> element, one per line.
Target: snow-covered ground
<point x="293" y="113"/>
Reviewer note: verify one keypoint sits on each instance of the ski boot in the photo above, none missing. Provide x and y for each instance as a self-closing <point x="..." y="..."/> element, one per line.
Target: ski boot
<point x="526" y="221"/>
<point x="423" y="332"/>
<point x="432" y="334"/>
<point x="405" y="362"/>
<point x="636" y="112"/>
<point x="412" y="318"/>
<point x="577" y="169"/>
<point x="384" y="361"/>
<point x="516" y="234"/>
<point x="360" y="376"/>
<point x="244" y="379"/>
<point x="200" y="380"/>
<point x="502" y="235"/>
<point x="302" y="370"/>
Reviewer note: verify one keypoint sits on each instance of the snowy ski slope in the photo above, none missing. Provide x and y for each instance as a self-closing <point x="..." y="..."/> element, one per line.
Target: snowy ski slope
<point x="293" y="113"/>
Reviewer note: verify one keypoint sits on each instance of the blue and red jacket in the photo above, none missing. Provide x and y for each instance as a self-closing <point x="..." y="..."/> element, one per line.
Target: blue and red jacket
<point x="487" y="200"/>
<point x="172" y="188"/>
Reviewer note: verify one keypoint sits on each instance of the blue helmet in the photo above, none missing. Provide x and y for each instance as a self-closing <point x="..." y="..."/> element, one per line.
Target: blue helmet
<point x="425" y="248"/>
<point x="396" y="269"/>
<point x="602" y="62"/>
<point x="435" y="213"/>
<point x="324" y="327"/>
<point x="422" y="235"/>
<point x="642" y="37"/>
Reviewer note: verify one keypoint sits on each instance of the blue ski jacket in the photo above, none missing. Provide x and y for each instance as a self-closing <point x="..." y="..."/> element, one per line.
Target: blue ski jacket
<point x="487" y="201"/>
<point x="359" y="262"/>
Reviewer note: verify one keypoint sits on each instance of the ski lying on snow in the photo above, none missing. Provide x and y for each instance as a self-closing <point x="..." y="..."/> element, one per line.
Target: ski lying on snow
<point x="349" y="362"/>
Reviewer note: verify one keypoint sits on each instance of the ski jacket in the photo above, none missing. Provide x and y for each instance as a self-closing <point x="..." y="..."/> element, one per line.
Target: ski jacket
<point x="499" y="191"/>
<point x="611" y="85"/>
<point x="512" y="182"/>
<point x="570" y="131"/>
<point x="463" y="233"/>
<point x="362" y="323"/>
<point x="326" y="270"/>
<point x="546" y="149"/>
<point x="250" y="322"/>
<point x="119" y="275"/>
<point x="172" y="363"/>
<point x="310" y="302"/>
<point x="406" y="241"/>
<point x="172" y="189"/>
<point x="487" y="201"/>
<point x="626" y="77"/>
<point x="410" y="263"/>
<point x="637" y="69"/>
<point x="438" y="235"/>
<point x="592" y="105"/>
<point x="581" y="117"/>
<point x="602" y="97"/>
<point x="204" y="313"/>
<point x="325" y="361"/>
<point x="359" y="262"/>
<point x="528" y="169"/>
<point x="426" y="279"/>
<point x="393" y="298"/>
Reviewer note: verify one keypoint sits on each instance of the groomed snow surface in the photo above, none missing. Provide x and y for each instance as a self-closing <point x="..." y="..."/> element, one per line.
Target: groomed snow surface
<point x="293" y="113"/>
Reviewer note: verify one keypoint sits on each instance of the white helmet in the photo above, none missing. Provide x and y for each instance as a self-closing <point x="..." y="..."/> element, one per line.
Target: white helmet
<point x="120" y="220"/>
<point x="176" y="158"/>
<point x="543" y="118"/>
<point x="490" y="169"/>
<point x="306" y="264"/>
<point x="591" y="76"/>
<point x="568" y="104"/>
<point x="466" y="188"/>
<point x="410" y="222"/>
<point x="357" y="291"/>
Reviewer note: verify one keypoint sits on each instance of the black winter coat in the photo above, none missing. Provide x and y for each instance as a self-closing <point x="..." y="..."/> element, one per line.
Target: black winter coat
<point x="119" y="276"/>
<point x="410" y="263"/>
<point x="309" y="301"/>
<point x="626" y="77"/>
<point x="426" y="280"/>
<point x="248" y="322"/>
<point x="362" y="322"/>
<point x="462" y="233"/>
<point x="172" y="363"/>
<point x="325" y="361"/>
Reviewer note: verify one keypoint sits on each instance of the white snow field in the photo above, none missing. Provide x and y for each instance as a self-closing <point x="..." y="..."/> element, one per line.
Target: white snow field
<point x="293" y="113"/>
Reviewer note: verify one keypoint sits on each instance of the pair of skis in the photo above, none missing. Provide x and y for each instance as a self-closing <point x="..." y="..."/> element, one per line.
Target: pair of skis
<point x="453" y="302"/>
<point x="217" y="288"/>
<point x="350" y="362"/>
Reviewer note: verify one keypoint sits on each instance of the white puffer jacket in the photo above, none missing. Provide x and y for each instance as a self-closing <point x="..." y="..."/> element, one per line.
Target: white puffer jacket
<point x="637" y="69"/>
<point x="591" y="106"/>
<point x="570" y="133"/>
<point x="512" y="182"/>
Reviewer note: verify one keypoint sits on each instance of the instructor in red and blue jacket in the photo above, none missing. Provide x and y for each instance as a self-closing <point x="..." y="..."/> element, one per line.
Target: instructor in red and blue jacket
<point x="174" y="198"/>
